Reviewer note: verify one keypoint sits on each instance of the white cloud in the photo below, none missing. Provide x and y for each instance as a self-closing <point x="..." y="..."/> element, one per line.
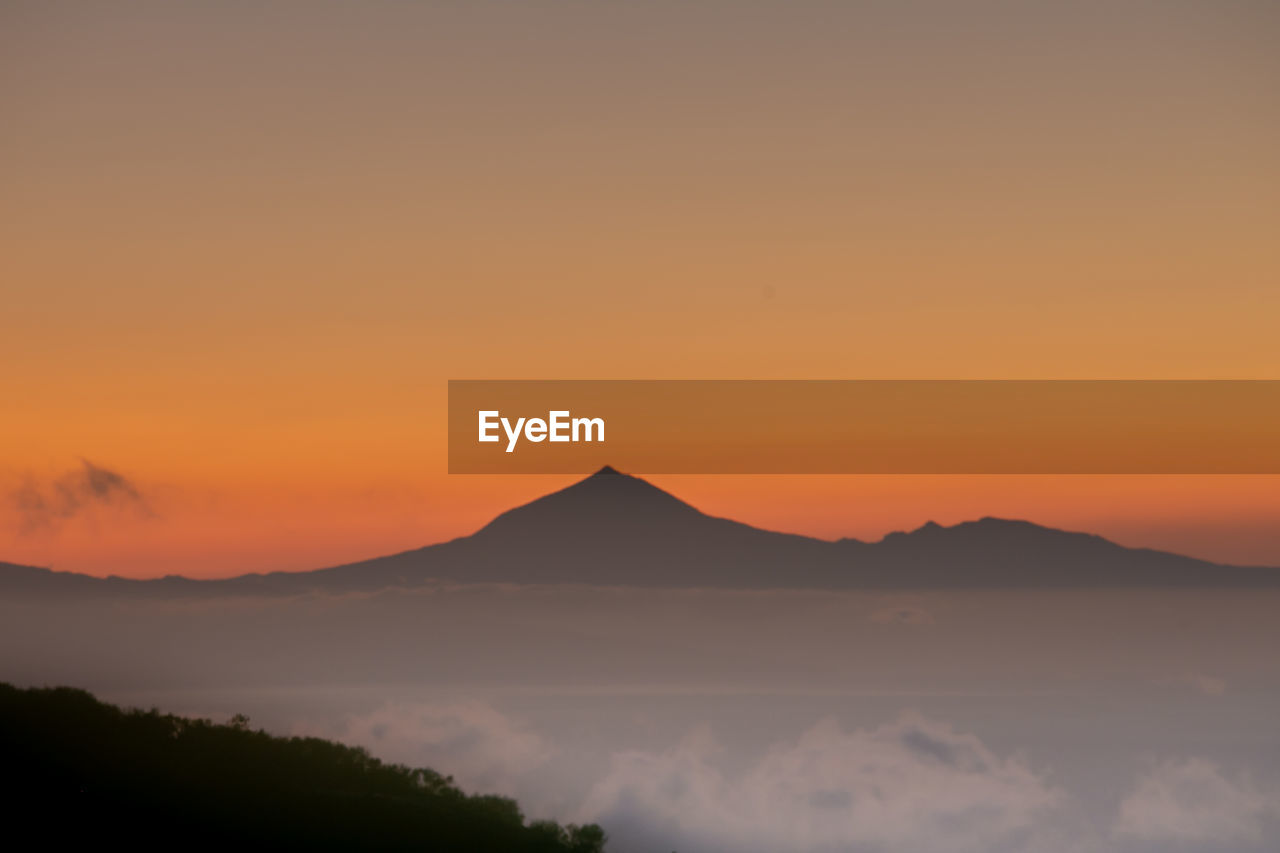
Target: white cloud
<point x="481" y="748"/>
<point x="1193" y="801"/>
<point x="909" y="784"/>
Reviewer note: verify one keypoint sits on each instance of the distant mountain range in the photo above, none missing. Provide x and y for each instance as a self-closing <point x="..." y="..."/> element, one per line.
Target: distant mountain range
<point x="612" y="529"/>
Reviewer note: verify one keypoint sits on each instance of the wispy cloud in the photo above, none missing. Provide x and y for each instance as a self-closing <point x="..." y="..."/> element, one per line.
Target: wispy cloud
<point x="44" y="505"/>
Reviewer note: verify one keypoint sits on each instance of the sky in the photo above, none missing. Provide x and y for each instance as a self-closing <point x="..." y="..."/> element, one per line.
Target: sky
<point x="244" y="246"/>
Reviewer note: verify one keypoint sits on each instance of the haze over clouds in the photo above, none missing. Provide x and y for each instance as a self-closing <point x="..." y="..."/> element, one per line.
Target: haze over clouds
<point x="704" y="720"/>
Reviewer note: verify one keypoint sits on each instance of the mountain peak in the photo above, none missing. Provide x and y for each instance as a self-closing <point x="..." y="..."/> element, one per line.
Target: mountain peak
<point x="608" y="499"/>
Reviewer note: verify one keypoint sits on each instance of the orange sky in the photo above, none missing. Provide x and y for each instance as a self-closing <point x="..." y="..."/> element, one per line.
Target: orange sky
<point x="242" y="249"/>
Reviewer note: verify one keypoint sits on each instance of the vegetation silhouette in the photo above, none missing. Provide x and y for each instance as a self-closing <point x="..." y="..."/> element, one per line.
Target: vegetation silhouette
<point x="81" y="770"/>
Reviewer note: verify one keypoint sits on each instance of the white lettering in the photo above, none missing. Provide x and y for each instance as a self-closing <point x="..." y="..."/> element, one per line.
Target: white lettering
<point x="586" y="424"/>
<point x="488" y="421"/>
<point x="513" y="435"/>
<point x="558" y="427"/>
<point x="559" y="421"/>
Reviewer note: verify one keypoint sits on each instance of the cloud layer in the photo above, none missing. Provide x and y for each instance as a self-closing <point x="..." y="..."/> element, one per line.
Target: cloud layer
<point x="910" y="784"/>
<point x="913" y="783"/>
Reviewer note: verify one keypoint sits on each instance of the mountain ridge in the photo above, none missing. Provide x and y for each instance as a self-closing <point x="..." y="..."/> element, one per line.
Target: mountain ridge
<point x="613" y="529"/>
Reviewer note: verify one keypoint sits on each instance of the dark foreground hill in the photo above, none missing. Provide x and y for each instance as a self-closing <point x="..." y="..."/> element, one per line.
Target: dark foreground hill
<point x="84" y="772"/>
<point x="612" y="529"/>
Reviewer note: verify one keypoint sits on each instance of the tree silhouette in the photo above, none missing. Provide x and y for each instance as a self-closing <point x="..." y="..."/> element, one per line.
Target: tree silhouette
<point x="88" y="772"/>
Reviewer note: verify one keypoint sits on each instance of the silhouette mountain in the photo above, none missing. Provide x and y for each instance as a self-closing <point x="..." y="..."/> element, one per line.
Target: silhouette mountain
<point x="627" y="525"/>
<point x="612" y="529"/>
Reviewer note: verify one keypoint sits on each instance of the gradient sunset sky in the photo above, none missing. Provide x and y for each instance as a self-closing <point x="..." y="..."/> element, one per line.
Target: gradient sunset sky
<point x="243" y="246"/>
